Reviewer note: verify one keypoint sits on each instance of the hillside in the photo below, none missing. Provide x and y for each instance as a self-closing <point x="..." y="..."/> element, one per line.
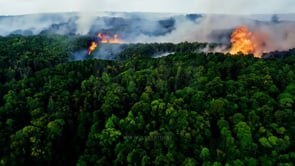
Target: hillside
<point x="188" y="108"/>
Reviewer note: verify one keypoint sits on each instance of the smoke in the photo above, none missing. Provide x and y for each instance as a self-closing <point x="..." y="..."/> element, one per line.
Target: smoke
<point x="273" y="32"/>
<point x="103" y="51"/>
<point x="108" y="51"/>
<point x="218" y="48"/>
<point x="159" y="55"/>
<point x="84" y="22"/>
<point x="32" y="24"/>
<point x="79" y="55"/>
<point x="201" y="29"/>
<point x="271" y="36"/>
<point x="87" y="15"/>
<point x="279" y="36"/>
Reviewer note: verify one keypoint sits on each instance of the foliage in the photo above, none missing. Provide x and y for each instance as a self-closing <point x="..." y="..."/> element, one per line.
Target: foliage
<point x="188" y="108"/>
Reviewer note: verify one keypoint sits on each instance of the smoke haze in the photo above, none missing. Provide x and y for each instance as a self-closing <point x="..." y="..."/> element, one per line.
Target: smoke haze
<point x="272" y="32"/>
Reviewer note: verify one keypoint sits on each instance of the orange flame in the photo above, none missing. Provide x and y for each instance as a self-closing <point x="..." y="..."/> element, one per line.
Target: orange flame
<point x="245" y="42"/>
<point x="92" y="47"/>
<point x="107" y="39"/>
<point x="104" y="38"/>
<point x="116" y="39"/>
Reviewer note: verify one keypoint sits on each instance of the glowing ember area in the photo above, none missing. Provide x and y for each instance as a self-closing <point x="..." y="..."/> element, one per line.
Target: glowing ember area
<point x="92" y="47"/>
<point x="103" y="38"/>
<point x="115" y="39"/>
<point x="107" y="39"/>
<point x="243" y="41"/>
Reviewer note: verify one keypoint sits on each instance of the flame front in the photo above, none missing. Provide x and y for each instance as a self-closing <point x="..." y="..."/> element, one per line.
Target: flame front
<point x="104" y="38"/>
<point x="246" y="42"/>
<point x="92" y="47"/>
<point x="242" y="41"/>
<point x="116" y="39"/>
<point x="107" y="39"/>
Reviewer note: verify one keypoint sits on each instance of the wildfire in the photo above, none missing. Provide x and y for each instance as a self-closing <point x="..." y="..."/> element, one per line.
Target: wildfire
<point x="104" y="38"/>
<point x="92" y="47"/>
<point x="116" y="39"/>
<point x="245" y="42"/>
<point x="107" y="39"/>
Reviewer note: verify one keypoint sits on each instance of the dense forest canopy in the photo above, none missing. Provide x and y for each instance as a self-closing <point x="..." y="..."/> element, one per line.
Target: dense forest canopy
<point x="189" y="108"/>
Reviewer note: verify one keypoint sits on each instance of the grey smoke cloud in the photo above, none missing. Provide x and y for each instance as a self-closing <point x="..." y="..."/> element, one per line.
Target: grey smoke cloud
<point x="200" y="30"/>
<point x="34" y="24"/>
<point x="87" y="14"/>
<point x="279" y="36"/>
<point x="272" y="36"/>
<point x="146" y="27"/>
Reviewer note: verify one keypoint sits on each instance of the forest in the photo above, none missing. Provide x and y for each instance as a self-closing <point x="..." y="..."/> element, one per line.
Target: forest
<point x="188" y="108"/>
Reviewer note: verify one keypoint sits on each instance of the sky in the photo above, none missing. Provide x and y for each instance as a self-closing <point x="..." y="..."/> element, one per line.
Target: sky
<point x="17" y="7"/>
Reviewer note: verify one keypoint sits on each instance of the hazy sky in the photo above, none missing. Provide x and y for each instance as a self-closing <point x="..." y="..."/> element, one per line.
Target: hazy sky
<point x="12" y="7"/>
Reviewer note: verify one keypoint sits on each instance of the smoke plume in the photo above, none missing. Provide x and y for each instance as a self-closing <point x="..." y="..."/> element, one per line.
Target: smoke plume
<point x="87" y="15"/>
<point x="272" y="32"/>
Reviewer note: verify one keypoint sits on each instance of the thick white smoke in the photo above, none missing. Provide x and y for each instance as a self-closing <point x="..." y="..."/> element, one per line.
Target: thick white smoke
<point x="200" y="30"/>
<point x="279" y="36"/>
<point x="87" y="15"/>
<point x="273" y="34"/>
<point x="30" y="24"/>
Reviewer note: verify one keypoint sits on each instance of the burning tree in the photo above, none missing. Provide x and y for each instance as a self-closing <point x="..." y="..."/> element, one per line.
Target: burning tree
<point x="104" y="38"/>
<point x="246" y="42"/>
